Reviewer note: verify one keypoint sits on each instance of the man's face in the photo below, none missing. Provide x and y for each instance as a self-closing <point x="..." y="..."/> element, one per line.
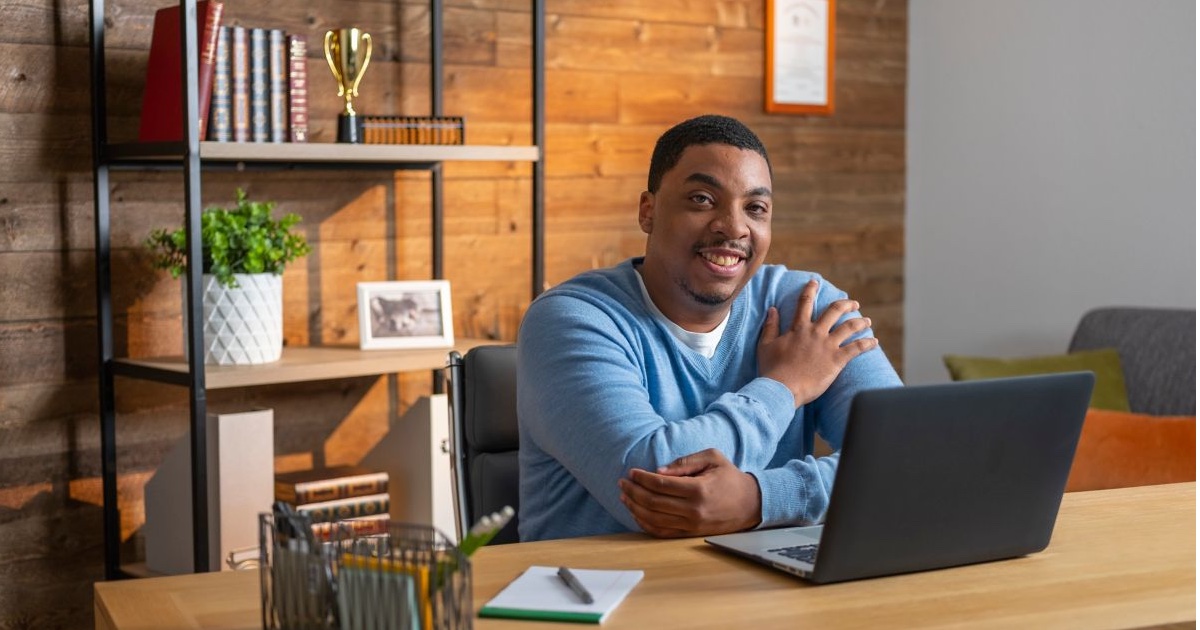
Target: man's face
<point x="709" y="228"/>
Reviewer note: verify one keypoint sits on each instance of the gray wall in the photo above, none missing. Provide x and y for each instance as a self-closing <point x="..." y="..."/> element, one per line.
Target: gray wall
<point x="1051" y="157"/>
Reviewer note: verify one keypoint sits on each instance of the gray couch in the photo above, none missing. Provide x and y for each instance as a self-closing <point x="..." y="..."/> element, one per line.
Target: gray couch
<point x="1158" y="354"/>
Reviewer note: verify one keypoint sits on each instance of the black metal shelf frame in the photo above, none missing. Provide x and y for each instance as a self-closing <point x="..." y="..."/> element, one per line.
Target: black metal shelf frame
<point x="191" y="165"/>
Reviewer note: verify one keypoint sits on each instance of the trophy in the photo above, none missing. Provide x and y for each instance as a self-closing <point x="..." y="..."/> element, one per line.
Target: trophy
<point x="348" y="51"/>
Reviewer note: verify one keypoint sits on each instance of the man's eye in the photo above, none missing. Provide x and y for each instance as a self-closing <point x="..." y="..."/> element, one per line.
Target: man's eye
<point x="758" y="209"/>
<point x="699" y="198"/>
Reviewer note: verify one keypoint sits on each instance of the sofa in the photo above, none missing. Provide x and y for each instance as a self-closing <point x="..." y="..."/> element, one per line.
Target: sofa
<point x="1157" y="347"/>
<point x="1140" y="427"/>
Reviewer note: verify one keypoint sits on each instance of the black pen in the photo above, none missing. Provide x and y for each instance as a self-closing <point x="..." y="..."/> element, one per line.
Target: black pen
<point x="572" y="582"/>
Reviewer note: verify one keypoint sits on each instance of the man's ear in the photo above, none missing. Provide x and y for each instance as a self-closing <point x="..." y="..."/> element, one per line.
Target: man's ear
<point x="646" y="211"/>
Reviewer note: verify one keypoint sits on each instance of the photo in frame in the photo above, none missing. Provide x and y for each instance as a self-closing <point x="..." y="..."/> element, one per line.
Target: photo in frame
<point x="405" y="314"/>
<point x="800" y="56"/>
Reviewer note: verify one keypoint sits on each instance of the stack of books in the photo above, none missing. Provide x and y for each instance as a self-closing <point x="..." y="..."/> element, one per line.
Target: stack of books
<point x="252" y="83"/>
<point x="354" y="496"/>
<point x="412" y="129"/>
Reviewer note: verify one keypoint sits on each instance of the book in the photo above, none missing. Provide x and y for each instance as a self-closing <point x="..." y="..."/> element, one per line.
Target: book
<point x="538" y="593"/>
<point x="220" y="113"/>
<point x="374" y="525"/>
<point x="240" y="72"/>
<point x="260" y="105"/>
<point x="327" y="484"/>
<point x="277" y="65"/>
<point x="297" y="88"/>
<point x="351" y="507"/>
<point x="162" y="101"/>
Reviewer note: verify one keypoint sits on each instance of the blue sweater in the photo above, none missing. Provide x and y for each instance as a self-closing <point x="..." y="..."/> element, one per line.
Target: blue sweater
<point x="602" y="387"/>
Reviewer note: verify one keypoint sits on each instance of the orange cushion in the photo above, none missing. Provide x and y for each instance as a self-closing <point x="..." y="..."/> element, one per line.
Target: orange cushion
<point x="1119" y="449"/>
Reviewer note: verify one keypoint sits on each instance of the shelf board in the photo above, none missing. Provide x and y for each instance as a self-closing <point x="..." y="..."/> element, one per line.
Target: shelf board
<point x="308" y="364"/>
<point x="325" y="152"/>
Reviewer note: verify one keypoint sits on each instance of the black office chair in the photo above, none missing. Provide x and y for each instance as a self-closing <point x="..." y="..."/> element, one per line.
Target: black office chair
<point x="483" y="412"/>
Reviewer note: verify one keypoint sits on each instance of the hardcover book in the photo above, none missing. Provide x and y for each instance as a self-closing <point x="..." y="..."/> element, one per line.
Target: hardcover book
<point x="277" y="63"/>
<point x="359" y="527"/>
<point x="297" y="88"/>
<point x="352" y="507"/>
<point x="240" y="71"/>
<point x="260" y="105"/>
<point x="327" y="484"/>
<point x="162" y="101"/>
<point x="220" y="114"/>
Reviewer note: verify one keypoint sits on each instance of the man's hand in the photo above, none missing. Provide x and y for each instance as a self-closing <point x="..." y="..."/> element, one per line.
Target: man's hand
<point x="696" y="495"/>
<point x="809" y="355"/>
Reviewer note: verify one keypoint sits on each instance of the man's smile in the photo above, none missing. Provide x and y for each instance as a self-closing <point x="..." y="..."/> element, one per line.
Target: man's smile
<point x="723" y="260"/>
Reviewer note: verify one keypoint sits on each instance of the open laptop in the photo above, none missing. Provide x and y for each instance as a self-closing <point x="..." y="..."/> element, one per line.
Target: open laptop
<point x="935" y="476"/>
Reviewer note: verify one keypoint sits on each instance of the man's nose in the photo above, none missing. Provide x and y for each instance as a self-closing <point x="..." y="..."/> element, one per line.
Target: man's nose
<point x="730" y="222"/>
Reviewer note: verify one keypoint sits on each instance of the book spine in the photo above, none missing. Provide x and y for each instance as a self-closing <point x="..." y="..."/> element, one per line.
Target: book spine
<point x="260" y="123"/>
<point x="366" y="526"/>
<point x="240" y="60"/>
<point x="220" y="124"/>
<point x="367" y="506"/>
<point x="277" y="64"/>
<point x="331" y="489"/>
<point x="162" y="100"/>
<point x="297" y="88"/>
<point x="208" y="34"/>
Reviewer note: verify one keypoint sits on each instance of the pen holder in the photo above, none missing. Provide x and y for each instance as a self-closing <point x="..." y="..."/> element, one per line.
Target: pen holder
<point x="410" y="577"/>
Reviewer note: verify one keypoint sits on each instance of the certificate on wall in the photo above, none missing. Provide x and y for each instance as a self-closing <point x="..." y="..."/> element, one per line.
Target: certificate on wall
<point x="800" y="56"/>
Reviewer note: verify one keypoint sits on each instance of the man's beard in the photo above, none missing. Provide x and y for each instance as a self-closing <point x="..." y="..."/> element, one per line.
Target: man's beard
<point x="707" y="299"/>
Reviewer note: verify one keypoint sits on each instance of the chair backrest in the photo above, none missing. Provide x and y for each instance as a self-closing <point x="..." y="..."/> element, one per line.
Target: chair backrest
<point x="1158" y="354"/>
<point x="483" y="402"/>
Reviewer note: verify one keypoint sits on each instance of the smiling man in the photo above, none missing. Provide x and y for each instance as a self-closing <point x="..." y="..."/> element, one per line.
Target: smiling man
<point x="679" y="393"/>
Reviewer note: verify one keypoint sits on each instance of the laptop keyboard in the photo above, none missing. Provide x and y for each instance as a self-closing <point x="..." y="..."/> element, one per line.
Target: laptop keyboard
<point x="803" y="553"/>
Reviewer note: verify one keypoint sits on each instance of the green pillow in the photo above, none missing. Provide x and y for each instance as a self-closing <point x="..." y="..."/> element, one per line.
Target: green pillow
<point x="1109" y="392"/>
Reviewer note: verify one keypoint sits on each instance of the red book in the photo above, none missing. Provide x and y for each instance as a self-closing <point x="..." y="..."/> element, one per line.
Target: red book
<point x="297" y="88"/>
<point x="162" y="102"/>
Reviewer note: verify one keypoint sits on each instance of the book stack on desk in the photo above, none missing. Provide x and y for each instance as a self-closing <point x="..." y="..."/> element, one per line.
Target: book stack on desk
<point x="355" y="496"/>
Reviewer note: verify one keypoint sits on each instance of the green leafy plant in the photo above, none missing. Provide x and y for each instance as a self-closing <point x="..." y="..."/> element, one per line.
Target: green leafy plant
<point x="244" y="239"/>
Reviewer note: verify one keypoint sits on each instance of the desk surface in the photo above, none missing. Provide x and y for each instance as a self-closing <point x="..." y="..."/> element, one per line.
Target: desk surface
<point x="1118" y="559"/>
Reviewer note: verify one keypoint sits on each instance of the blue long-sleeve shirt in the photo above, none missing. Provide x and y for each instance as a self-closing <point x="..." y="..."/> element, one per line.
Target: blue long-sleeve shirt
<point x="603" y="386"/>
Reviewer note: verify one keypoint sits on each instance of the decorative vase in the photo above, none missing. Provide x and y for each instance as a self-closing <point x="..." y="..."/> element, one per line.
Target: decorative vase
<point x="243" y="325"/>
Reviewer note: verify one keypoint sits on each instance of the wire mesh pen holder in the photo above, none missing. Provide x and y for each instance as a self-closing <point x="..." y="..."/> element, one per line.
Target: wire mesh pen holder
<point x="409" y="578"/>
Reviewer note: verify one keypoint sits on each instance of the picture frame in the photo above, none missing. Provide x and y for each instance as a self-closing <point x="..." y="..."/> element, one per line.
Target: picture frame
<point x="405" y="314"/>
<point x="800" y="57"/>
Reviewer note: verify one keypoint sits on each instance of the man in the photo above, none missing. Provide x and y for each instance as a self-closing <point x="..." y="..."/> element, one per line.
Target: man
<point x="679" y="393"/>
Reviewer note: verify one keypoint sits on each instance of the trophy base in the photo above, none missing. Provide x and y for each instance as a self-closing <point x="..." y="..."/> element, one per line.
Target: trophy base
<point x="349" y="129"/>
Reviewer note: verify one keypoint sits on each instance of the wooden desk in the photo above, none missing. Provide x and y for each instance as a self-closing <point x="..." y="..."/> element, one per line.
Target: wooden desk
<point x="1118" y="559"/>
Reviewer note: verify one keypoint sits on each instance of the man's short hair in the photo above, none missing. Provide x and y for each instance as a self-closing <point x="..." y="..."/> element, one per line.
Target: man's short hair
<point x="707" y="129"/>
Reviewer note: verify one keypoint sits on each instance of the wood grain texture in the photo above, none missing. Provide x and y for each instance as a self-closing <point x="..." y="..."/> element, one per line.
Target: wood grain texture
<point x="1080" y="581"/>
<point x="619" y="73"/>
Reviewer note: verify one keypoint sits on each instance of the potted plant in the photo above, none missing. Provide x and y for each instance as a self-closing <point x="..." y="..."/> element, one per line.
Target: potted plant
<point x="244" y="252"/>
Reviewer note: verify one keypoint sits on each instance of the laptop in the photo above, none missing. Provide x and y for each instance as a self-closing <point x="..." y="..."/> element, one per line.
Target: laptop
<point x="935" y="476"/>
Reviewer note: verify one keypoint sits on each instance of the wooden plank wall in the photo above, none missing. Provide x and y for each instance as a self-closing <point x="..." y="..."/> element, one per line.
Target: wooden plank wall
<point x="619" y="73"/>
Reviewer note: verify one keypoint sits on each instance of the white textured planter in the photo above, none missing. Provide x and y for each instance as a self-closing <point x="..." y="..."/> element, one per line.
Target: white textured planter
<point x="243" y="325"/>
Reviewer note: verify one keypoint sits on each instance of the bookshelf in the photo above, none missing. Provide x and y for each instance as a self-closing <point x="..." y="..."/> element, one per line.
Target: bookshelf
<point x="297" y="365"/>
<point x="191" y="157"/>
<point x="329" y="154"/>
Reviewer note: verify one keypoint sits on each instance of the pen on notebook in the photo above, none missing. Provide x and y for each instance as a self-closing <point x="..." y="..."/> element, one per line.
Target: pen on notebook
<point x="573" y="583"/>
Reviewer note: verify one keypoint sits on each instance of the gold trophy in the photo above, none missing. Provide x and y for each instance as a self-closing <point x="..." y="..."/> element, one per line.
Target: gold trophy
<point x="348" y="51"/>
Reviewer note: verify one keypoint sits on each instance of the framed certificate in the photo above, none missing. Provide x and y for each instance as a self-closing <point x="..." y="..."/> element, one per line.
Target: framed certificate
<point x="800" y="47"/>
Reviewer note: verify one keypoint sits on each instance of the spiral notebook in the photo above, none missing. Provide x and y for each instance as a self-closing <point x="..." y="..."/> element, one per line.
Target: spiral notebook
<point x="538" y="593"/>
